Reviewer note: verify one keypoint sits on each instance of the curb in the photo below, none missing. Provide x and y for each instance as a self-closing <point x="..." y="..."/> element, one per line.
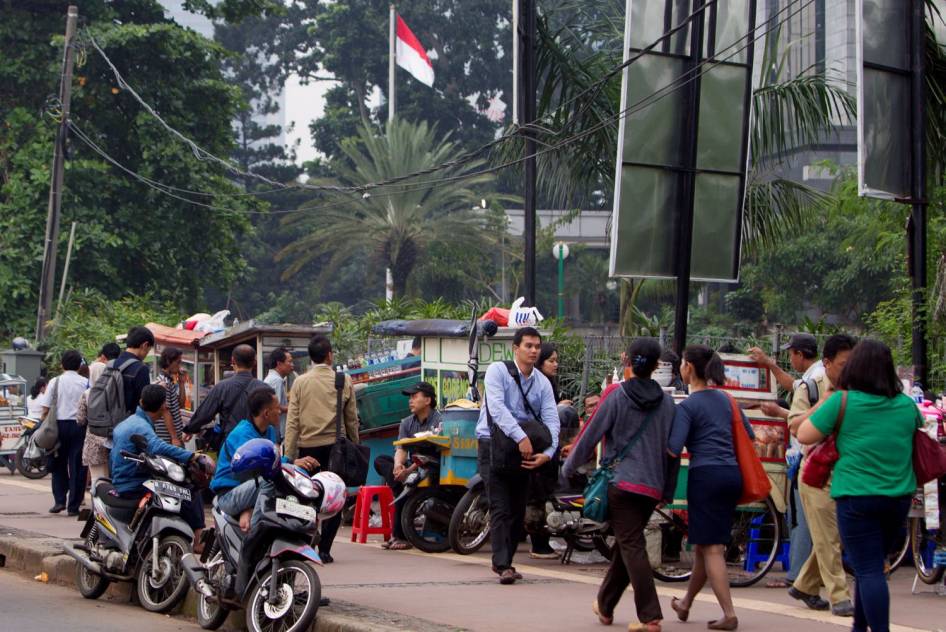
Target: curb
<point x="29" y="553"/>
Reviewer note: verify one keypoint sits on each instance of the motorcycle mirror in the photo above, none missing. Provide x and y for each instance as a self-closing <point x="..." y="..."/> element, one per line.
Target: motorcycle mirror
<point x="139" y="441"/>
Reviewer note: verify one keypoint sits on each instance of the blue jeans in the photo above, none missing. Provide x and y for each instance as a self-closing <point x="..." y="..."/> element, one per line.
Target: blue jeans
<point x="870" y="525"/>
<point x="244" y="496"/>
<point x="799" y="548"/>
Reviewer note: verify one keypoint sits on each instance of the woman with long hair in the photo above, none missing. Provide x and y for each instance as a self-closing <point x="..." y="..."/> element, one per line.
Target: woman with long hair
<point x="703" y="424"/>
<point x="873" y="480"/>
<point x="635" y="422"/>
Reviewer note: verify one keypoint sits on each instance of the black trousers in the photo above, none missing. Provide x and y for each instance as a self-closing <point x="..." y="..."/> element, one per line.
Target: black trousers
<point x="629" y="514"/>
<point x="384" y="466"/>
<point x="508" y="490"/>
<point x="330" y="526"/>
<point x="65" y="465"/>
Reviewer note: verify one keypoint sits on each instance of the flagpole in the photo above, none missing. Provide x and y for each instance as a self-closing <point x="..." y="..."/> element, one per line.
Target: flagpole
<point x="392" y="62"/>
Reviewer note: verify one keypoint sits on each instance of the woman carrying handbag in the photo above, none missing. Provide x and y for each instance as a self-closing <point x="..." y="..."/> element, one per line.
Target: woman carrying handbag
<point x="873" y="480"/>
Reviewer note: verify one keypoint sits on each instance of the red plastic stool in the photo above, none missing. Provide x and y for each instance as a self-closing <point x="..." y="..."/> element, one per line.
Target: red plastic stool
<point x="360" y="527"/>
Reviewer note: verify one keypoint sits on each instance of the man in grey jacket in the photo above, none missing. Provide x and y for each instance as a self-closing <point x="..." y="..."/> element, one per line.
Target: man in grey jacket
<point x="635" y="422"/>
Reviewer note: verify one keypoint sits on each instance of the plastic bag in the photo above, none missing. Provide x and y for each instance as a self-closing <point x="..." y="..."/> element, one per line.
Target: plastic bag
<point x="214" y="323"/>
<point x="498" y="315"/>
<point x="521" y="316"/>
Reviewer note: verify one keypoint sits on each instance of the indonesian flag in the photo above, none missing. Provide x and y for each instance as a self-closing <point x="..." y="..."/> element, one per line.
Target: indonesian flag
<point x="411" y="56"/>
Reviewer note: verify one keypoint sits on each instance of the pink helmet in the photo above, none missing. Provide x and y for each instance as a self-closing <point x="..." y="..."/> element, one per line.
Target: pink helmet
<point x="333" y="493"/>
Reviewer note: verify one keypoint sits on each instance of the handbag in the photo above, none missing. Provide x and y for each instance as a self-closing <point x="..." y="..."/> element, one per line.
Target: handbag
<point x="347" y="459"/>
<point x="755" y="482"/>
<point x="929" y="458"/>
<point x="596" y="491"/>
<point x="47" y="435"/>
<point x="504" y="451"/>
<point x="820" y="461"/>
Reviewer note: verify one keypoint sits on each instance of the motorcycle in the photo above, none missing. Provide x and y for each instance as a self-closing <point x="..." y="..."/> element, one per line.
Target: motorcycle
<point x="469" y="525"/>
<point x="282" y="590"/>
<point x="137" y="540"/>
<point x="29" y="459"/>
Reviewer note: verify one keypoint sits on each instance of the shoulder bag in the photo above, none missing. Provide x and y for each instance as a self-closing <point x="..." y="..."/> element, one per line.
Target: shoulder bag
<point x="47" y="435"/>
<point x="929" y="458"/>
<point x="821" y="459"/>
<point x="755" y="482"/>
<point x="596" y="492"/>
<point x="504" y="451"/>
<point x="347" y="459"/>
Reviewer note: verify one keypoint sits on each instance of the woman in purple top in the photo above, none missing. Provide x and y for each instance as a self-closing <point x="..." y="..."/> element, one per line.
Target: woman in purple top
<point x="703" y="423"/>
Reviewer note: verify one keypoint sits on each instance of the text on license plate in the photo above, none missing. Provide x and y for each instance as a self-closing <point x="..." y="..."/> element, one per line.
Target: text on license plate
<point x="296" y="510"/>
<point x="172" y="490"/>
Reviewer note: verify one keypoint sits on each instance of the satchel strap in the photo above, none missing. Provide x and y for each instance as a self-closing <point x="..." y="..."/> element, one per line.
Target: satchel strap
<point x="514" y="374"/>
<point x="634" y="439"/>
<point x="339" y="387"/>
<point x="841" y="411"/>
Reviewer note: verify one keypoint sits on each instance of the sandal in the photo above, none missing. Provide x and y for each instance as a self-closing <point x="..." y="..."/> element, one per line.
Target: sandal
<point x="778" y="583"/>
<point x="603" y="620"/>
<point x="650" y="626"/>
<point x="682" y="613"/>
<point x="400" y="546"/>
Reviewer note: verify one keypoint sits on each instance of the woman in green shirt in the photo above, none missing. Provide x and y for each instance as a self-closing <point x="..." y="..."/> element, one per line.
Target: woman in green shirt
<point x="873" y="479"/>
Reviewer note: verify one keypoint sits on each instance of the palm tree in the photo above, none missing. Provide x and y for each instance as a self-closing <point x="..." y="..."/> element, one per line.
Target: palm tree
<point x="392" y="225"/>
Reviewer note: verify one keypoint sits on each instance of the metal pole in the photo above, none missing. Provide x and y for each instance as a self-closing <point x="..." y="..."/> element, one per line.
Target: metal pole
<point x="51" y="243"/>
<point x="685" y="234"/>
<point x="392" y="60"/>
<point x="561" y="283"/>
<point x="65" y="269"/>
<point x="515" y="62"/>
<point x="527" y="109"/>
<point x="918" y="214"/>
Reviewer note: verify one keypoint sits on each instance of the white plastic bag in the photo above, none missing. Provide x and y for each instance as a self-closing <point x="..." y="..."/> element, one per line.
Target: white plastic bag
<point x="520" y="316"/>
<point x="214" y="323"/>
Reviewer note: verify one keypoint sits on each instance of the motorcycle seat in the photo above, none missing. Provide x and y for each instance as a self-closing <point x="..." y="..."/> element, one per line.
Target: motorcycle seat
<point x="105" y="489"/>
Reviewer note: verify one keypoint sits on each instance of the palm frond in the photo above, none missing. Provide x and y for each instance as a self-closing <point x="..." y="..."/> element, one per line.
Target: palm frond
<point x="776" y="206"/>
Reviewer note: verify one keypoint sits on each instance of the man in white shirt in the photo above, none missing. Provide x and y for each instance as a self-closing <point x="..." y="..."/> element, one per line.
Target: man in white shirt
<point x="68" y="473"/>
<point x="280" y="366"/>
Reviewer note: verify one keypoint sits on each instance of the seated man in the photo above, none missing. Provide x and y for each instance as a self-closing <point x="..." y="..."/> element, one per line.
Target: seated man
<point x="424" y="417"/>
<point x="127" y="477"/>
<point x="233" y="497"/>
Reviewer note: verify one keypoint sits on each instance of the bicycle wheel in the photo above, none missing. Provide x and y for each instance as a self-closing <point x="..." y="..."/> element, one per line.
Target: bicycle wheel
<point x="756" y="543"/>
<point x="668" y="547"/>
<point x="922" y="545"/>
<point x="898" y="554"/>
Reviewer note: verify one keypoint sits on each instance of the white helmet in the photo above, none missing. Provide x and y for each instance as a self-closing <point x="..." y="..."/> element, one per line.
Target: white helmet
<point x="333" y="493"/>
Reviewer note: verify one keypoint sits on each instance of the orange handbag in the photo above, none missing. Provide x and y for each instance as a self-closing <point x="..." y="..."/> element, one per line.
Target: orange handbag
<point x="755" y="482"/>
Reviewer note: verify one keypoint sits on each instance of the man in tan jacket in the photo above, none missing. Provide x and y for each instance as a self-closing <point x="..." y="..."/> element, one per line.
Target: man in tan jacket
<point x="310" y="422"/>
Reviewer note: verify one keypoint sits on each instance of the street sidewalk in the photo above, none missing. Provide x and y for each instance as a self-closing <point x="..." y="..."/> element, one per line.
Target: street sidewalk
<point x="409" y="590"/>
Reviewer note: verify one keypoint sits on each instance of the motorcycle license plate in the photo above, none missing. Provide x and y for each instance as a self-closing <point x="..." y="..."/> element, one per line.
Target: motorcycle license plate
<point x="170" y="489"/>
<point x="296" y="510"/>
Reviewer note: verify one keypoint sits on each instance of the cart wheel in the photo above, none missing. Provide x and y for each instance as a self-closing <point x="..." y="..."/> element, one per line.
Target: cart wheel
<point x="756" y="543"/>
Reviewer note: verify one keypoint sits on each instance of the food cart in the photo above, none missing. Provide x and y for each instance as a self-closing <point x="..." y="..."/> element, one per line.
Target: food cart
<point x="12" y="407"/>
<point x="194" y="365"/>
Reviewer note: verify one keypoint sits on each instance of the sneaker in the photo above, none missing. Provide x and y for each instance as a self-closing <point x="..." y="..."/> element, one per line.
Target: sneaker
<point x="843" y="609"/>
<point x="812" y="601"/>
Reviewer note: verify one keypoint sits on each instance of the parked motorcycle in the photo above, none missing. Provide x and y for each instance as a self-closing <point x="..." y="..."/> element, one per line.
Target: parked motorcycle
<point x="469" y="525"/>
<point x="137" y="540"/>
<point x="31" y="460"/>
<point x="428" y="500"/>
<point x="278" y="588"/>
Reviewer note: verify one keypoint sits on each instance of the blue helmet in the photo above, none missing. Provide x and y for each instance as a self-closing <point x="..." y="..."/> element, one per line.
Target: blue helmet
<point x="256" y="457"/>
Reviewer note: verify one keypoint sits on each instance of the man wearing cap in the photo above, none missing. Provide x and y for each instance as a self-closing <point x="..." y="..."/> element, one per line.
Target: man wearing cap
<point x="424" y="417"/>
<point x="803" y="356"/>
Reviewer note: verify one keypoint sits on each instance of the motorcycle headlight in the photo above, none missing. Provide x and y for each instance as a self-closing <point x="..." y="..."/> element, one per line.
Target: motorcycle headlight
<point x="303" y="485"/>
<point x="174" y="471"/>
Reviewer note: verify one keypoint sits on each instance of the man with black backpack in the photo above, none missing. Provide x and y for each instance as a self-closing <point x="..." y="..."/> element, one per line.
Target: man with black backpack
<point x="228" y="398"/>
<point x="116" y="393"/>
<point x="518" y="434"/>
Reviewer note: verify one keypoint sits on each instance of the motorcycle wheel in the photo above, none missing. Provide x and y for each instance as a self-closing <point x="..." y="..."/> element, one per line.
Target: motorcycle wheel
<point x="211" y="614"/>
<point x="30" y="468"/>
<point x="90" y="585"/>
<point x="426" y="529"/>
<point x="299" y="595"/>
<point x="469" y="524"/>
<point x="171" y="587"/>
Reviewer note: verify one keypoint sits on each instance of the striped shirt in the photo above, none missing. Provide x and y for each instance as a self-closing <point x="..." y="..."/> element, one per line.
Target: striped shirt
<point x="173" y="399"/>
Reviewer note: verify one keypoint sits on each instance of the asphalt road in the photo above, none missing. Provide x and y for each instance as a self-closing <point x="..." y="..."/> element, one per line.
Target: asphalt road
<point x="28" y="605"/>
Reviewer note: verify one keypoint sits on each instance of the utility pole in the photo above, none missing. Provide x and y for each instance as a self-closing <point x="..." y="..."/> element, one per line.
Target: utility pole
<point x="51" y="243"/>
<point x="525" y="29"/>
<point x="916" y="234"/>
